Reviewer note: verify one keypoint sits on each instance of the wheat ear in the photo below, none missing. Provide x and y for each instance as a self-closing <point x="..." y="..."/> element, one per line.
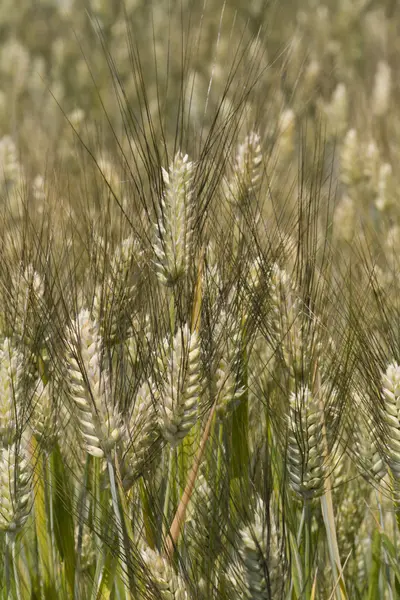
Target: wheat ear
<point x="140" y="435"/>
<point x="11" y="369"/>
<point x="247" y="170"/>
<point x="180" y="393"/>
<point x="391" y="421"/>
<point x="174" y="227"/>
<point x="305" y="445"/>
<point x="169" y="584"/>
<point x="15" y="487"/>
<point x="88" y="385"/>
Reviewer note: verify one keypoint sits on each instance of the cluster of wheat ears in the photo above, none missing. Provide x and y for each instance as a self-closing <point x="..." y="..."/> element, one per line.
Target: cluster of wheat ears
<point x="199" y="302"/>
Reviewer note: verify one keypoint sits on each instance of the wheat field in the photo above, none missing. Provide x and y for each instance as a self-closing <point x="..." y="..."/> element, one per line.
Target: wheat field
<point x="199" y="300"/>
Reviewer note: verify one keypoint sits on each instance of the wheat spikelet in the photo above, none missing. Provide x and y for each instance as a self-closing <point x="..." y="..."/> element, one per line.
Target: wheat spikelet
<point x="259" y="569"/>
<point x="180" y="393"/>
<point x="44" y="417"/>
<point x="253" y="553"/>
<point x="305" y="448"/>
<point x="113" y="296"/>
<point x="287" y="320"/>
<point x="227" y="390"/>
<point x="247" y="173"/>
<point x="140" y="336"/>
<point x="87" y="555"/>
<point x="27" y="301"/>
<point x="174" y="234"/>
<point x="365" y="447"/>
<point x="351" y="515"/>
<point x="11" y="372"/>
<point x="169" y="584"/>
<point x="390" y="416"/>
<point x="200" y="508"/>
<point x="140" y="435"/>
<point x="15" y="488"/>
<point x="262" y="361"/>
<point x="88" y="384"/>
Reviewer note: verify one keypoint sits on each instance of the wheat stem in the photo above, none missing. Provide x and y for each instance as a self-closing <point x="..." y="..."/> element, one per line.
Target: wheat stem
<point x="12" y="541"/>
<point x="308" y="549"/>
<point x="179" y="518"/>
<point x="120" y="530"/>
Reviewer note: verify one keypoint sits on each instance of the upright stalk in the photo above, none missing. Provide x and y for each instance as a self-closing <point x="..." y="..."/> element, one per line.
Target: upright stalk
<point x="123" y="558"/>
<point x="12" y="540"/>
<point x="307" y="550"/>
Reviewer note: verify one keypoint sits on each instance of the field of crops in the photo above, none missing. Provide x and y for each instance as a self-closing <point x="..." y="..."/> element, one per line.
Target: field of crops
<point x="199" y="300"/>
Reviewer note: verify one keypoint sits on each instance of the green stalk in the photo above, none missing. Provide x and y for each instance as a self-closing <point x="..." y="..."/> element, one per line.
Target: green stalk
<point x="373" y="587"/>
<point x="98" y="576"/>
<point x="219" y="455"/>
<point x="149" y="530"/>
<point x="180" y="514"/>
<point x="12" y="542"/>
<point x="182" y="470"/>
<point x="117" y="514"/>
<point x="7" y="566"/>
<point x="329" y="515"/>
<point x="51" y="515"/>
<point x="240" y="484"/>
<point x="167" y="492"/>
<point x="96" y="499"/>
<point x="172" y="313"/>
<point x="297" y="573"/>
<point x="307" y="550"/>
<point x="45" y="551"/>
<point x="80" y="527"/>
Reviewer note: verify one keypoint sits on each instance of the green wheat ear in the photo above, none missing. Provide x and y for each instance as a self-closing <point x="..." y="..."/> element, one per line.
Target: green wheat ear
<point x="305" y="453"/>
